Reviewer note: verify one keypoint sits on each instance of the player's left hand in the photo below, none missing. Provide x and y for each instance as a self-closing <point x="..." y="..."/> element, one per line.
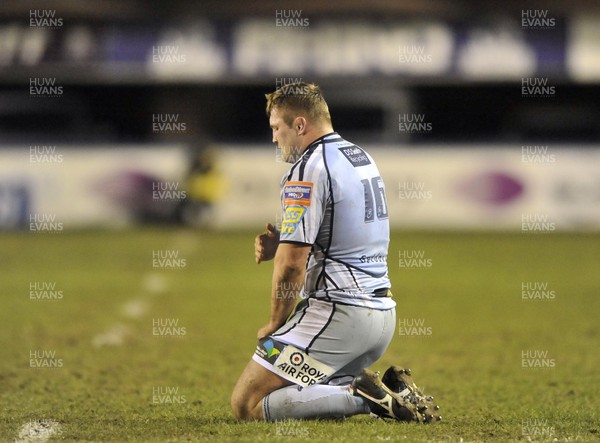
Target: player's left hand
<point x="266" y="330"/>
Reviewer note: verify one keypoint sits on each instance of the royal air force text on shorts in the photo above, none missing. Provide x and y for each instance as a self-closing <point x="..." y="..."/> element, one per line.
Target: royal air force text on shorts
<point x="411" y="190"/>
<point x="45" y="223"/>
<point x="413" y="259"/>
<point x="167" y="191"/>
<point x="44" y="87"/>
<point x="538" y="154"/>
<point x="291" y="18"/>
<point x="536" y="429"/>
<point x="537" y="223"/>
<point x="168" y="54"/>
<point x="536" y="290"/>
<point x="537" y="87"/>
<point x="44" y="290"/>
<point x="44" y="18"/>
<point x="167" y="327"/>
<point x="167" y="395"/>
<point x="40" y="359"/>
<point x="44" y="154"/>
<point x="537" y="19"/>
<point x="537" y="359"/>
<point x="167" y="259"/>
<point x="168" y="124"/>
<point x="414" y="327"/>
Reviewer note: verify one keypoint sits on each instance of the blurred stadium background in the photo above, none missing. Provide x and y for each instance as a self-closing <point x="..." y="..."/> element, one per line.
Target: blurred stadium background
<point x="488" y="110"/>
<point x="121" y="116"/>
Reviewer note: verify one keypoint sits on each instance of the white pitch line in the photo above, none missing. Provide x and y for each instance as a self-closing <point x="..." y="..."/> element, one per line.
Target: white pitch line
<point x="38" y="431"/>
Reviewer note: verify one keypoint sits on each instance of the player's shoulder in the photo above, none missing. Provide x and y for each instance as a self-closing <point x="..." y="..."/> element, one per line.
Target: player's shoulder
<point x="346" y="153"/>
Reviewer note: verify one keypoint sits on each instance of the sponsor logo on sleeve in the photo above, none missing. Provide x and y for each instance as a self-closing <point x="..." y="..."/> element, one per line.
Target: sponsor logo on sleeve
<point x="297" y="193"/>
<point x="355" y="155"/>
<point x="291" y="218"/>
<point x="297" y="366"/>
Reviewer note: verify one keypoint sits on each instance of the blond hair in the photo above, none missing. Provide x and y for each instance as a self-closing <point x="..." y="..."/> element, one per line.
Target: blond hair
<point x="299" y="97"/>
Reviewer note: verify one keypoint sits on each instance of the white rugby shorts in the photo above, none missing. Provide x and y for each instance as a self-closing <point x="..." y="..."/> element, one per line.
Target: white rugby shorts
<point x="326" y="342"/>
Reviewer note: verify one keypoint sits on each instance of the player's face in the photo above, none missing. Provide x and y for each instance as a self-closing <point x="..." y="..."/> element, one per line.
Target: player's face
<point x="285" y="137"/>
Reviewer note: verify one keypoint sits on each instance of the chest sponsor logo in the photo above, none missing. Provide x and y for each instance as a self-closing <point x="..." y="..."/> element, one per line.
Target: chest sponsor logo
<point x="299" y="367"/>
<point x="356" y="156"/>
<point x="297" y="193"/>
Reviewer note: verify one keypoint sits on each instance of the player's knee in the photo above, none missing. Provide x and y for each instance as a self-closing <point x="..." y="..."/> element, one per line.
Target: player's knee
<point x="240" y="407"/>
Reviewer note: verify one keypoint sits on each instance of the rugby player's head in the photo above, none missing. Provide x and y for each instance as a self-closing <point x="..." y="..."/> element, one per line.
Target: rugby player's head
<point x="299" y="98"/>
<point x="298" y="115"/>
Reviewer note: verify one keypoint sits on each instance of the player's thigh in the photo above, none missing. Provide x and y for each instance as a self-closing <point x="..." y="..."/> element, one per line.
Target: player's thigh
<point x="254" y="384"/>
<point x="359" y="346"/>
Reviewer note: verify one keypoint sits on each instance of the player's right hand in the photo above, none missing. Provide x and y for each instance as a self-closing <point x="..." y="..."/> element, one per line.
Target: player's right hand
<point x="265" y="245"/>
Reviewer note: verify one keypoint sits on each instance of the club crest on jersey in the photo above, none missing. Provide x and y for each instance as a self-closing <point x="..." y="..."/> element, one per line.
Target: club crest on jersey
<point x="291" y="218"/>
<point x="297" y="193"/>
<point x="355" y="155"/>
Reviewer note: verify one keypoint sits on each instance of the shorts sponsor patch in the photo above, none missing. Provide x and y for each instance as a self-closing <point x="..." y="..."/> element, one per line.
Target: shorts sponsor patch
<point x="297" y="193"/>
<point x="299" y="367"/>
<point x="291" y="218"/>
<point x="356" y="156"/>
<point x="269" y="349"/>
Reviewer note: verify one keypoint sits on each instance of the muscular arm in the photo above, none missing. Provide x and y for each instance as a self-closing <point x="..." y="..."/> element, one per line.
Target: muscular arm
<point x="288" y="277"/>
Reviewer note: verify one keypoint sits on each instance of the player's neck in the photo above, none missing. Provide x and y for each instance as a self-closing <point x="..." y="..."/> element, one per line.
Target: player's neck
<point x="316" y="134"/>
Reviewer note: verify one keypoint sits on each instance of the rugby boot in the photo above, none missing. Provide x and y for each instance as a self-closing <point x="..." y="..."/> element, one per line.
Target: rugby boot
<point x="401" y="383"/>
<point x="380" y="399"/>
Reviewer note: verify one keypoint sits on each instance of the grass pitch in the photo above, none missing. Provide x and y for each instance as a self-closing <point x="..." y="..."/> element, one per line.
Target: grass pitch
<point x="101" y="345"/>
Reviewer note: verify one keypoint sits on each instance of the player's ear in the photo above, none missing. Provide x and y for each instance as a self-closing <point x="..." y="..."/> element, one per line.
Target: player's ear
<point x="299" y="125"/>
